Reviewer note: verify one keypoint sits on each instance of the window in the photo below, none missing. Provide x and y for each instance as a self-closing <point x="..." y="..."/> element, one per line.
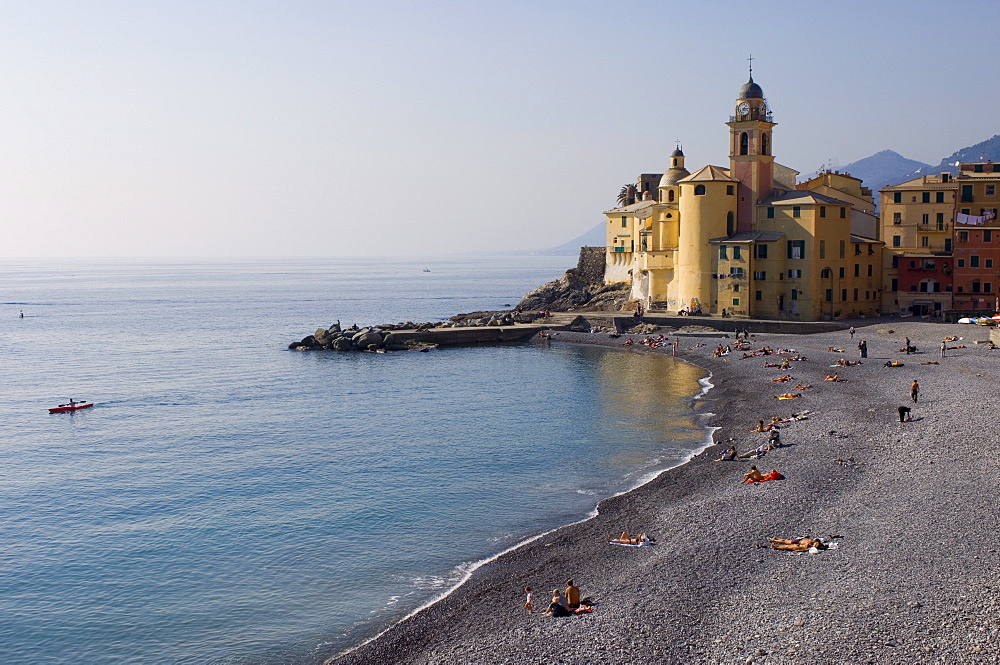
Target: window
<point x="764" y="147"/>
<point x="857" y="250"/>
<point x="843" y="294"/>
<point x="843" y="212"/>
<point x="925" y="197"/>
<point x="987" y="235"/>
<point x="976" y="286"/>
<point x="871" y="250"/>
<point x="736" y="302"/>
<point x="945" y="177"/>
<point x="841" y="272"/>
<point x="736" y="253"/>
<point x="770" y="212"/>
<point x="760" y="274"/>
<point x="736" y="288"/>
<point x="822" y="248"/>
<point x="796" y="211"/>
<point x="966" y="211"/>
<point x="925" y="219"/>
<point x="822" y="211"/>
<point x="895" y="261"/>
<point x="722" y="253"/>
<point x="744" y="144"/>
<point x="869" y="270"/>
<point x="624" y="222"/>
<point x="857" y="270"/>
<point x="966" y="193"/>
<point x="974" y="261"/>
<point x="897" y="218"/>
<point x="947" y="244"/>
<point x="961" y="263"/>
<point x="796" y="249"/>
<point x="760" y="251"/>
<point x="855" y="294"/>
<point x="978" y="168"/>
<point x="758" y="295"/>
<point x="699" y="190"/>
<point x="991" y="190"/>
<point x="843" y="248"/>
<point x="670" y="196"/>
<point x="737" y="273"/>
<point x="925" y="241"/>
<point x="897" y="241"/>
<point x="939" y="218"/>
<point x="987" y="287"/>
<point x="825" y="273"/>
<point x="895" y="285"/>
<point x="829" y="295"/>
<point x="939" y="197"/>
<point x="794" y="274"/>
<point x="963" y="236"/>
<point x="795" y="294"/>
<point x="989" y="263"/>
<point x="729" y="190"/>
<point x="897" y="197"/>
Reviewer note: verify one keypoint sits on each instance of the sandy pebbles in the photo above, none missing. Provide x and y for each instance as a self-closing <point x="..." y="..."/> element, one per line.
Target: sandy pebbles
<point x="915" y="576"/>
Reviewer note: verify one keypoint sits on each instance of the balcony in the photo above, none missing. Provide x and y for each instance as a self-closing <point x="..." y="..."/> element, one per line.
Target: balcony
<point x="656" y="260"/>
<point x="933" y="228"/>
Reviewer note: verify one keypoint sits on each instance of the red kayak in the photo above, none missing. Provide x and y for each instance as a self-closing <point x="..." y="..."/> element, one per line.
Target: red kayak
<point x="71" y="407"/>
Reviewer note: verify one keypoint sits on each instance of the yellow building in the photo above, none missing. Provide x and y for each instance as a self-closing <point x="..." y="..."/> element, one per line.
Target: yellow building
<point x="746" y="240"/>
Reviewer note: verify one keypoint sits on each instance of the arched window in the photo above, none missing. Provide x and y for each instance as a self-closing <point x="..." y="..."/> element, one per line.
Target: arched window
<point x="673" y="162"/>
<point x="699" y="190"/>
<point x="764" y="147"/>
<point x="744" y="144"/>
<point x="730" y="227"/>
<point x="825" y="274"/>
<point x="670" y="195"/>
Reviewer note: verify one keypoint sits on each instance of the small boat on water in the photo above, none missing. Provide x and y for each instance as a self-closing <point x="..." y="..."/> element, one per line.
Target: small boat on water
<point x="72" y="406"/>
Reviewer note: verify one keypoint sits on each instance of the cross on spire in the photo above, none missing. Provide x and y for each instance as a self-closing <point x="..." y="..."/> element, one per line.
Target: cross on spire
<point x="750" y="60"/>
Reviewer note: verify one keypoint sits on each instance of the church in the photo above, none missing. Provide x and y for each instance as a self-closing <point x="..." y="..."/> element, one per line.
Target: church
<point x="747" y="240"/>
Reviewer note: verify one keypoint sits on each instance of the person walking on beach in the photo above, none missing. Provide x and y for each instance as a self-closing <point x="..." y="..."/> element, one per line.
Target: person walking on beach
<point x="852" y="332"/>
<point x="529" y="600"/>
<point x="863" y="349"/>
<point x="944" y="347"/>
<point x="907" y="346"/>
<point x="914" y="390"/>
<point x="677" y="341"/>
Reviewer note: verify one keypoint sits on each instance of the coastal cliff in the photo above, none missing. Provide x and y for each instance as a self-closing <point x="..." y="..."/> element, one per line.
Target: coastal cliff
<point x="582" y="287"/>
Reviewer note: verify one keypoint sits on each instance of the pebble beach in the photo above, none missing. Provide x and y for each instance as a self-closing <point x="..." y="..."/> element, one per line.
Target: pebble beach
<point x="913" y="574"/>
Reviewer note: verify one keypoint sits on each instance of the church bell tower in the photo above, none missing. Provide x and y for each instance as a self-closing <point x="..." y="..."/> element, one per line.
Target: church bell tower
<point x="750" y="158"/>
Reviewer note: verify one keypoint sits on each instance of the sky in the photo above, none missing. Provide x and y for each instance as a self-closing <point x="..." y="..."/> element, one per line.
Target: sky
<point x="131" y="128"/>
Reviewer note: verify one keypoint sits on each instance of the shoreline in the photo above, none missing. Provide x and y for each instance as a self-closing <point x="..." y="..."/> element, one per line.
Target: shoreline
<point x="704" y="386"/>
<point x="706" y="592"/>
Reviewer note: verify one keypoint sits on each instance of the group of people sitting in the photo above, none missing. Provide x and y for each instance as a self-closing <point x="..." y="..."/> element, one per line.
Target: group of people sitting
<point x="564" y="603"/>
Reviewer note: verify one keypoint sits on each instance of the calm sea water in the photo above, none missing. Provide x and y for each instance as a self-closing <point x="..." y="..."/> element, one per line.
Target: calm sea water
<point x="230" y="501"/>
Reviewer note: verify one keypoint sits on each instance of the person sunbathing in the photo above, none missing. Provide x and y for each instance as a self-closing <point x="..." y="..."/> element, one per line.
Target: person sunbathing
<point x="782" y="379"/>
<point x="893" y="363"/>
<point x="752" y="476"/>
<point x="788" y="396"/>
<point x="799" y="386"/>
<point x="760" y="427"/>
<point x="625" y="539"/>
<point x="729" y="455"/>
<point x="796" y="544"/>
<point x="784" y="364"/>
<point x="833" y="377"/>
<point x="756" y="453"/>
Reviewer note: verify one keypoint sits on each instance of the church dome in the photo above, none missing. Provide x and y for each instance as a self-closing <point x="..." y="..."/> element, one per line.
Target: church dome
<point x="750" y="90"/>
<point x="677" y="153"/>
<point x="674" y="174"/>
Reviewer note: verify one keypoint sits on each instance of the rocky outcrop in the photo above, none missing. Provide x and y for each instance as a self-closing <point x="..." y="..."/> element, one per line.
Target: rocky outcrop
<point x="569" y="292"/>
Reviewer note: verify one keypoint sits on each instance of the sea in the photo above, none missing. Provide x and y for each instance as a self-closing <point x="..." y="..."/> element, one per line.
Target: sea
<point x="230" y="501"/>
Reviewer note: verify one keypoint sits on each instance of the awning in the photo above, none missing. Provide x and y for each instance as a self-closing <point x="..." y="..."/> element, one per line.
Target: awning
<point x="924" y="302"/>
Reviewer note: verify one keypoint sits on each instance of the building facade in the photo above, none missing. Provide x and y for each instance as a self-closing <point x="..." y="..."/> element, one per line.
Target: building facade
<point x="746" y="240"/>
<point x="942" y="242"/>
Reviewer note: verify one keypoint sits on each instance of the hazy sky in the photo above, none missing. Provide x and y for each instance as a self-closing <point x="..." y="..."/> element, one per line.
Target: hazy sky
<point x="132" y="128"/>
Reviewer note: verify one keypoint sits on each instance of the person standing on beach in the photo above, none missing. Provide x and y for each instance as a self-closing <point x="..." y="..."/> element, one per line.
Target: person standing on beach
<point x="852" y="332"/>
<point x="863" y="349"/>
<point x="914" y="390"/>
<point x="529" y="600"/>
<point x="944" y="347"/>
<point x="677" y="341"/>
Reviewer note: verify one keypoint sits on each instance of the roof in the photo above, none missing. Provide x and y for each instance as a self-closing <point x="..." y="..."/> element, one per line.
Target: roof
<point x="708" y="174"/>
<point x="863" y="240"/>
<point x="674" y="175"/>
<point x="750" y="90"/>
<point x="802" y="197"/>
<point x="751" y="236"/>
<point x="635" y="207"/>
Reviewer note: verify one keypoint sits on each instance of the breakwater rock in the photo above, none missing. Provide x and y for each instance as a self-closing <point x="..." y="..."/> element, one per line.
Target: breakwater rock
<point x="354" y="338"/>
